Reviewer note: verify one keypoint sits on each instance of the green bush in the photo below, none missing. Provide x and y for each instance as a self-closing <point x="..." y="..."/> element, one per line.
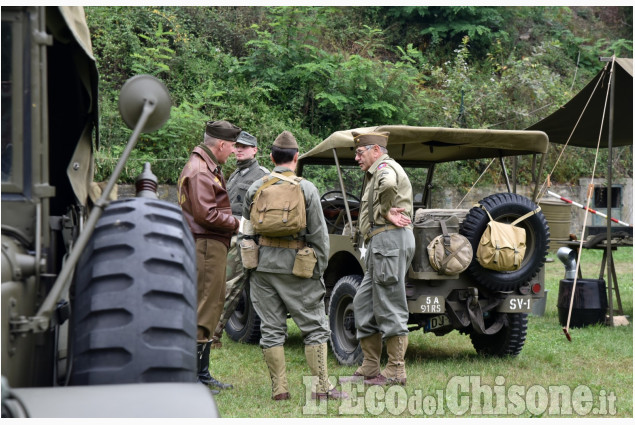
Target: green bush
<point x="310" y="71"/>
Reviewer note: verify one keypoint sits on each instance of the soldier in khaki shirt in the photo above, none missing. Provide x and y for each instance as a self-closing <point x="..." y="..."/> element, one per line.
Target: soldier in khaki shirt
<point x="381" y="309"/>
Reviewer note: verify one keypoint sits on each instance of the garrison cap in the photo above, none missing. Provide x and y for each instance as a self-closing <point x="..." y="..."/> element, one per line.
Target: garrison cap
<point x="223" y="130"/>
<point x="285" y="140"/>
<point x="365" y="139"/>
<point x="247" y="139"/>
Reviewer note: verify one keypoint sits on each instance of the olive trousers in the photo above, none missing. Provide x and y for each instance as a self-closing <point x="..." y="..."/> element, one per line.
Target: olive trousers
<point x="380" y="302"/>
<point x="211" y="260"/>
<point x="273" y="295"/>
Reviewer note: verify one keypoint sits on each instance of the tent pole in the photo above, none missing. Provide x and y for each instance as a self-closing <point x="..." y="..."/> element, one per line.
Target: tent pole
<point x="609" y="250"/>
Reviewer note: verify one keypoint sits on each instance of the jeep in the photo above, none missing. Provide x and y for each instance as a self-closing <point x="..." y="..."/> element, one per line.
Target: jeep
<point x="491" y="307"/>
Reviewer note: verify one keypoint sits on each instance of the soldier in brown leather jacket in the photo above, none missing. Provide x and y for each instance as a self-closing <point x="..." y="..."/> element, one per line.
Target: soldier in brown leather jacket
<point x="205" y="203"/>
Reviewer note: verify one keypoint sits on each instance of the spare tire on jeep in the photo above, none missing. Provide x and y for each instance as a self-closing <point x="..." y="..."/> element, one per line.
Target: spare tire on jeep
<point x="505" y="208"/>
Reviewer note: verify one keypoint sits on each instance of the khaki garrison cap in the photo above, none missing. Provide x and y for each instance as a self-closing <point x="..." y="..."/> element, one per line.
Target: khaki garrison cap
<point x="380" y="138"/>
<point x="285" y="140"/>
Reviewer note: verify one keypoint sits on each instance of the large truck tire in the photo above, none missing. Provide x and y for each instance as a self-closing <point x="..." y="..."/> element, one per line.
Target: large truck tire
<point x="244" y="324"/>
<point x="505" y="208"/>
<point x="344" y="343"/>
<point x="134" y="305"/>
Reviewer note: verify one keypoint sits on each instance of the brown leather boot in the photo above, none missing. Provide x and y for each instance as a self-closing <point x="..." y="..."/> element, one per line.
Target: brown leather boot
<point x="395" y="370"/>
<point x="371" y="347"/>
<point x="274" y="358"/>
<point x="316" y="358"/>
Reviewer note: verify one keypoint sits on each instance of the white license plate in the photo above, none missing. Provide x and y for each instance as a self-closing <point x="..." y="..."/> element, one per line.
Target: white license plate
<point x="516" y="304"/>
<point x="428" y="304"/>
<point x="437" y="322"/>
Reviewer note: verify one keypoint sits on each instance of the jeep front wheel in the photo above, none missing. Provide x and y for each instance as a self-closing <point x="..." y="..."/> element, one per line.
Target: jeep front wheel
<point x="244" y="324"/>
<point x="344" y="341"/>
<point x="134" y="303"/>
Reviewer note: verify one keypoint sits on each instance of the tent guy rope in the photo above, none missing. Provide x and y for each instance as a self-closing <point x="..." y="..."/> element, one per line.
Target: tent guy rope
<point x="586" y="211"/>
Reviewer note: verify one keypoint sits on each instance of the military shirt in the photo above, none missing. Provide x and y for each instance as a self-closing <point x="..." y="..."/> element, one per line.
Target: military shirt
<point x="392" y="188"/>
<point x="239" y="181"/>
<point x="280" y="260"/>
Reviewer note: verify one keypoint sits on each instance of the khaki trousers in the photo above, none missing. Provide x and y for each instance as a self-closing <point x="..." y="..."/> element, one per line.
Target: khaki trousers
<point x="211" y="260"/>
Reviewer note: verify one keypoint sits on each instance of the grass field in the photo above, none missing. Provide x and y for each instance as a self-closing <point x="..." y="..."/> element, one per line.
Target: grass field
<point x="591" y="376"/>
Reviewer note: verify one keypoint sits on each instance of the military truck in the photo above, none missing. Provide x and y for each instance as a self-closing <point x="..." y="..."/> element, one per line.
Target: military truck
<point x="98" y="295"/>
<point x="491" y="307"/>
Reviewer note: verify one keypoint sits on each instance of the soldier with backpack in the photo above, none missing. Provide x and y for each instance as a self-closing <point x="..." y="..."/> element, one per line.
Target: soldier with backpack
<point x="285" y="242"/>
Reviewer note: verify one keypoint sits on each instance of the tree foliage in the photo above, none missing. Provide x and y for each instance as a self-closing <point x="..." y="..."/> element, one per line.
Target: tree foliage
<point x="315" y="70"/>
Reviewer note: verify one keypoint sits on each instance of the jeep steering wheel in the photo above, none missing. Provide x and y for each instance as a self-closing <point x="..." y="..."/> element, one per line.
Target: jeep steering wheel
<point x="334" y="211"/>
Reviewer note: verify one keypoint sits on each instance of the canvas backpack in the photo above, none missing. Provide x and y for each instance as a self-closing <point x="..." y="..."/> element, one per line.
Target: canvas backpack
<point x="278" y="209"/>
<point x="502" y="246"/>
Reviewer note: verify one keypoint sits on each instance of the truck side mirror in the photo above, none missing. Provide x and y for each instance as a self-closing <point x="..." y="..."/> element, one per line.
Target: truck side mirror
<point x="133" y="95"/>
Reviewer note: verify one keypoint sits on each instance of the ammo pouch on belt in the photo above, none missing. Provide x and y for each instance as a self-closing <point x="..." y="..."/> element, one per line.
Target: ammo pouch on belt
<point x="449" y="253"/>
<point x="502" y="246"/>
<point x="305" y="261"/>
<point x="305" y="258"/>
<point x="249" y="253"/>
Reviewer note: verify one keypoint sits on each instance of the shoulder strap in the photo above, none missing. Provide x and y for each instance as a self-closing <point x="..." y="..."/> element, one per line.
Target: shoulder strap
<point x="484" y="209"/>
<point x="529" y="214"/>
<point x="276" y="177"/>
<point x="287" y="176"/>
<point x="515" y="222"/>
<point x="446" y="235"/>
<point x="268" y="181"/>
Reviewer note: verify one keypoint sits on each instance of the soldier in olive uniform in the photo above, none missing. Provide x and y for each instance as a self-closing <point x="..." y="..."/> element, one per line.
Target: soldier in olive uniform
<point x="247" y="171"/>
<point x="276" y="291"/>
<point x="381" y="309"/>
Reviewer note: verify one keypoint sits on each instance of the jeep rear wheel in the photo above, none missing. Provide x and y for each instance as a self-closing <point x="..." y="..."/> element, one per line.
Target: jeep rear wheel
<point x="344" y="341"/>
<point x="244" y="324"/>
<point x="509" y="341"/>
<point x="505" y="208"/>
<point x="134" y="306"/>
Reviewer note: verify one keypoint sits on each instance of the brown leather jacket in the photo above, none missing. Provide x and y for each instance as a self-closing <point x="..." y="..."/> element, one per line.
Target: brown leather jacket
<point x="204" y="200"/>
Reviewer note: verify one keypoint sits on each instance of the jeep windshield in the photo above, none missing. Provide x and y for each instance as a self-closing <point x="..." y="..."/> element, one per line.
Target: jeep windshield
<point x="326" y="179"/>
